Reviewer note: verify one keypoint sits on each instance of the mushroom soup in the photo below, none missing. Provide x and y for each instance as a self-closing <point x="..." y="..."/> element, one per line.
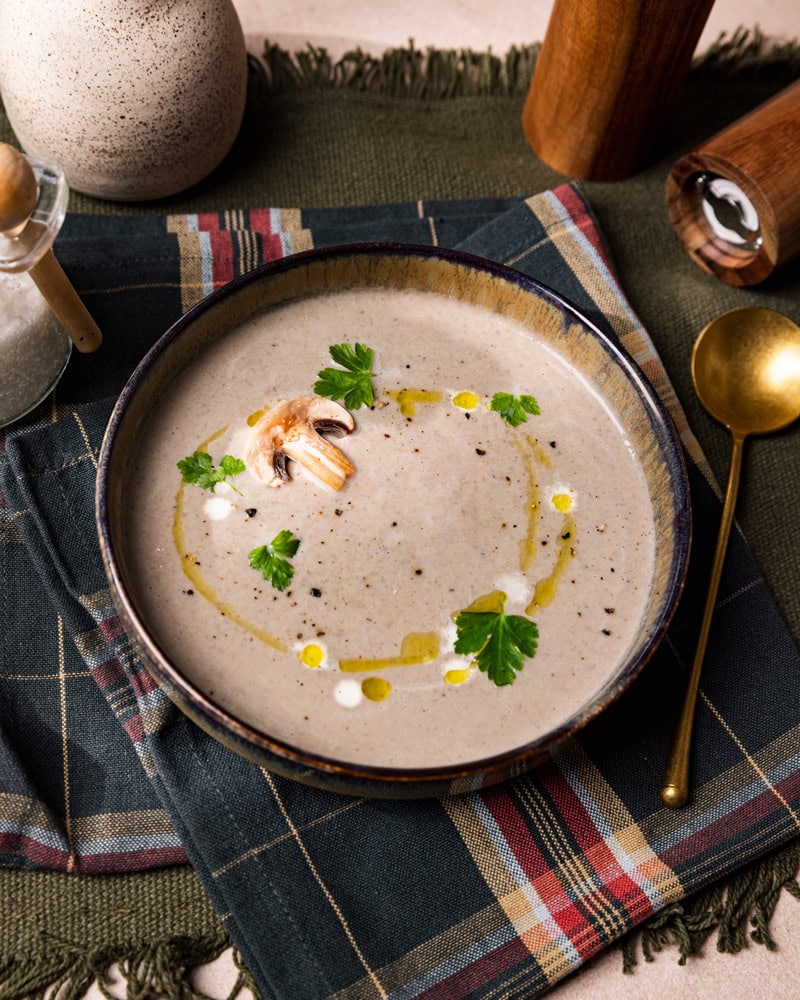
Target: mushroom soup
<point x="454" y="574"/>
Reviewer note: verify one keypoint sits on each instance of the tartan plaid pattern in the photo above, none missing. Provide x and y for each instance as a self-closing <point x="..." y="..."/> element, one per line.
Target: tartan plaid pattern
<point x="496" y="892"/>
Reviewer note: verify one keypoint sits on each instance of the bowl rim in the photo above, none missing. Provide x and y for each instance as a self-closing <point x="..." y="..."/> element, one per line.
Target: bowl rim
<point x="291" y="760"/>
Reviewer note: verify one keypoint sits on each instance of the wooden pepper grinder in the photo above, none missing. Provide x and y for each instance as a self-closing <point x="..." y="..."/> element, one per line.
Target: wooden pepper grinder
<point x="735" y="201"/>
<point x="27" y="230"/>
<point x="604" y="79"/>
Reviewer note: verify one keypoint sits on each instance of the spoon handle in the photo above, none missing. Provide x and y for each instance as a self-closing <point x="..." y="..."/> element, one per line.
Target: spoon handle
<point x="675" y="785"/>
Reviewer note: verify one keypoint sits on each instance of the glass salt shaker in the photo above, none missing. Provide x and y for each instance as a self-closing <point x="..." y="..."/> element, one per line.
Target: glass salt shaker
<point x="34" y="346"/>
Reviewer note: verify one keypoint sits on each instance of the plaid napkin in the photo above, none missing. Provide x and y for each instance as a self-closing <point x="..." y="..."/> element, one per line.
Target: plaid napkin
<point x="501" y="891"/>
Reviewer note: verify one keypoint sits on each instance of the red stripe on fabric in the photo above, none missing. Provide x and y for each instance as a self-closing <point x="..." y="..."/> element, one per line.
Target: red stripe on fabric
<point x="135" y="728"/>
<point x="111" y="627"/>
<point x="603" y="861"/>
<point x="33" y="850"/>
<point x="272" y="248"/>
<point x="579" y="929"/>
<point x="630" y="896"/>
<point x="222" y="256"/>
<point x="260" y="221"/>
<point x="108" y="674"/>
<point x="142" y="683"/>
<point x="477" y="974"/>
<point x="619" y="884"/>
<point x="789" y="788"/>
<point x="574" y="204"/>
<point x="91" y="864"/>
<point x="565" y="911"/>
<point x="572" y="810"/>
<point x="548" y="887"/>
<point x="208" y="222"/>
<point x="102" y="864"/>
<point x="737" y="821"/>
<point x="516" y="833"/>
<point x="615" y="883"/>
<point x="3" y="503"/>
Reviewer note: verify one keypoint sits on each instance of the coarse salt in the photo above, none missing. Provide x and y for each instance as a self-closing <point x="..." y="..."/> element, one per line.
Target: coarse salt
<point x="34" y="349"/>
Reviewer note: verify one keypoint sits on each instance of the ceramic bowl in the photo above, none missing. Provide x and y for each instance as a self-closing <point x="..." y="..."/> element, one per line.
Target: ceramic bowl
<point x="528" y="328"/>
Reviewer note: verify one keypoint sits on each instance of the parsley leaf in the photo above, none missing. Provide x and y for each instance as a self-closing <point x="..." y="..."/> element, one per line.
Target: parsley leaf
<point x="272" y="559"/>
<point x="514" y="409"/>
<point x="351" y="383"/>
<point x="501" y="642"/>
<point x="199" y="469"/>
<point x="231" y="466"/>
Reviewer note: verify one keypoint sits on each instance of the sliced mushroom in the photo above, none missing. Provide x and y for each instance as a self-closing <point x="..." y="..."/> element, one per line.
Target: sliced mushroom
<point x="293" y="429"/>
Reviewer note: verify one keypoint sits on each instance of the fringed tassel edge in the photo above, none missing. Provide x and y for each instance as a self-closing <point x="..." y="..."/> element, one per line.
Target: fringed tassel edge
<point x="747" y="899"/>
<point x="748" y="53"/>
<point x="435" y="74"/>
<point x="161" y="969"/>
<point x="432" y="74"/>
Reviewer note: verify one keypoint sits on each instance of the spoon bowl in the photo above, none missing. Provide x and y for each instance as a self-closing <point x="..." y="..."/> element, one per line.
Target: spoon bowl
<point x="746" y="372"/>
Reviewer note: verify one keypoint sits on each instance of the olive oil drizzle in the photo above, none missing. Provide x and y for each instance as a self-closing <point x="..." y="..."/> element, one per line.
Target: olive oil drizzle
<point x="457" y="675"/>
<point x="415" y="649"/>
<point x="531" y="453"/>
<point x="466" y="400"/>
<point x="546" y="588"/>
<point x="376" y="689"/>
<point x="194" y="574"/>
<point x="407" y="399"/>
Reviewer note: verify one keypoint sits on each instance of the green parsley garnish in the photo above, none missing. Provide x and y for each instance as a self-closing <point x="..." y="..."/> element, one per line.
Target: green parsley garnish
<point x="351" y="383"/>
<point x="514" y="409"/>
<point x="199" y="469"/>
<point x="500" y="641"/>
<point x="272" y="560"/>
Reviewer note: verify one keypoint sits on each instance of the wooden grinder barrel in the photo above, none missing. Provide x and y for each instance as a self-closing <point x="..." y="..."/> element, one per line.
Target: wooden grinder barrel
<point x="604" y="80"/>
<point x="735" y="201"/>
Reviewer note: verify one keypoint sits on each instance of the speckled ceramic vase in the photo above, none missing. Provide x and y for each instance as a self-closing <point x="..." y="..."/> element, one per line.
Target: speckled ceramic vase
<point x="135" y="99"/>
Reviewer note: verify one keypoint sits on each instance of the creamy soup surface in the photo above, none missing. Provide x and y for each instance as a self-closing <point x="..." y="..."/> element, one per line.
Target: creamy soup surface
<point x="449" y="505"/>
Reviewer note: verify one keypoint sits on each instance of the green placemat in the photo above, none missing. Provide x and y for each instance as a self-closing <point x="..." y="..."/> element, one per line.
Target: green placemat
<point x="65" y="931"/>
<point x="342" y="142"/>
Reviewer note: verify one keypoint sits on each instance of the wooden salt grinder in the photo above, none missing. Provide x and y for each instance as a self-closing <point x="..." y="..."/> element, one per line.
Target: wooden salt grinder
<point x="735" y="201"/>
<point x="604" y="80"/>
<point x="18" y="196"/>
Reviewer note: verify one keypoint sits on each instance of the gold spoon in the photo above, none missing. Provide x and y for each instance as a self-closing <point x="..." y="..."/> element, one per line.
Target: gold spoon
<point x="746" y="372"/>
